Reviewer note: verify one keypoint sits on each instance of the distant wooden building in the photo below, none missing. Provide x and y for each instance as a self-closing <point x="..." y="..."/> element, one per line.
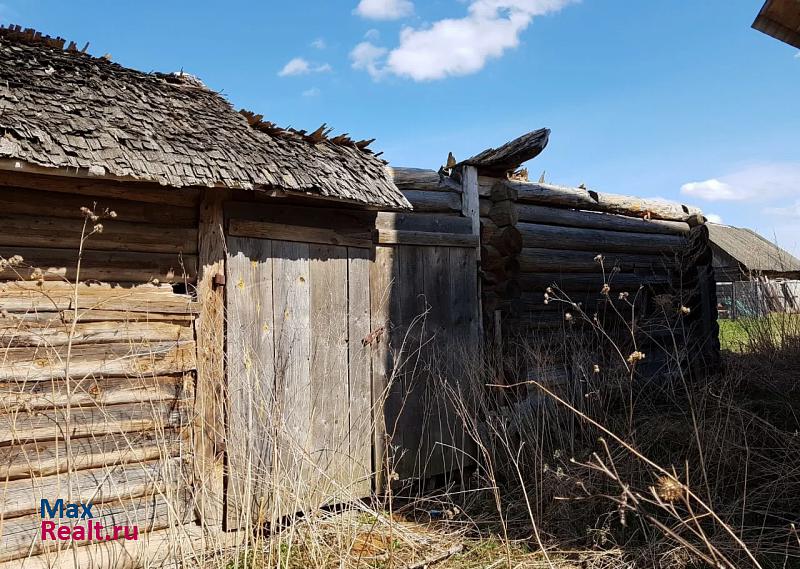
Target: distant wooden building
<point x="754" y="275"/>
<point x="781" y="20"/>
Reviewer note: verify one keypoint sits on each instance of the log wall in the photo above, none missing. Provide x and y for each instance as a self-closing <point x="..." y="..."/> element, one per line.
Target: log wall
<point x="97" y="379"/>
<point x="586" y="248"/>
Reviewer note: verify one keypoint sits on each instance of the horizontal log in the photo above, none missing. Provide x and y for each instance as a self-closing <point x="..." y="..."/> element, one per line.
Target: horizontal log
<point x="597" y="240"/>
<point x="122" y="359"/>
<point x="389" y="237"/>
<point x="21" y="537"/>
<point x="26" y="296"/>
<point x="98" y="315"/>
<point x="484" y="207"/>
<point x="25" y="201"/>
<point x="22" y="395"/>
<point x="421" y="179"/>
<point x="434" y="201"/>
<point x="282" y="232"/>
<point x="102" y="189"/>
<point x="533" y="260"/>
<point x="597" y="220"/>
<point x="618" y="282"/>
<point x="429" y="222"/>
<point x="188" y="543"/>
<point x="59" y="334"/>
<point x="98" y="485"/>
<point x="55" y="232"/>
<point x="579" y="198"/>
<point x="42" y="458"/>
<point x="42" y="425"/>
<point x="107" y="266"/>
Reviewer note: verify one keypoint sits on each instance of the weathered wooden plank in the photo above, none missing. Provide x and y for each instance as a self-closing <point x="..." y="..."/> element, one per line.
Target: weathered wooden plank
<point x="405" y="404"/>
<point x="532" y="282"/>
<point x="470" y="201"/>
<point x="579" y="198"/>
<point x="102" y="189"/>
<point x="21" y="536"/>
<point x="393" y="237"/>
<point x="597" y="220"/>
<point x="59" y="334"/>
<point x="360" y="399"/>
<point x="291" y="297"/>
<point x="209" y="424"/>
<point x="251" y="380"/>
<point x="43" y="458"/>
<point x="533" y="260"/>
<point x="434" y="201"/>
<point x="188" y="543"/>
<point x="29" y="296"/>
<point x="597" y="240"/>
<point x="344" y="221"/>
<point x="329" y="437"/>
<point x="97" y="485"/>
<point x="426" y="222"/>
<point x="119" y="359"/>
<point x="22" y="395"/>
<point x="99" y="315"/>
<point x="419" y="179"/>
<point x="436" y="441"/>
<point x="382" y="292"/>
<point x="107" y="266"/>
<point x="55" y="232"/>
<point x="24" y="201"/>
<point x="303" y="234"/>
<point x="42" y="425"/>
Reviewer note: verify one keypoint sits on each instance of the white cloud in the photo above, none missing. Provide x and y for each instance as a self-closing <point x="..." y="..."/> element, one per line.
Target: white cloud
<point x="313" y="92"/>
<point x="372" y="34"/>
<point x="792" y="210"/>
<point x="384" y="9"/>
<point x="758" y="182"/>
<point x="367" y="56"/>
<point x="461" y="46"/>
<point x="713" y="218"/>
<point x="319" y="43"/>
<point x="300" y="66"/>
<point x="797" y="55"/>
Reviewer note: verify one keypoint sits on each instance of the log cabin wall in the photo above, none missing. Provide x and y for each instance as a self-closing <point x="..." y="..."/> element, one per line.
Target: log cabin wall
<point x="96" y="381"/>
<point x="540" y="240"/>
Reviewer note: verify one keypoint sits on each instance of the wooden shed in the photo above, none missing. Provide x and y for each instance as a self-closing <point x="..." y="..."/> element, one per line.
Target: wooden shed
<point x="205" y="317"/>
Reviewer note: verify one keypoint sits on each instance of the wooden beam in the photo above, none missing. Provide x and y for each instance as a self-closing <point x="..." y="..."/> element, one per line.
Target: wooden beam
<point x="301" y="234"/>
<point x="443" y="202"/>
<point x="597" y="220"/>
<point x="538" y="282"/>
<point x="209" y="427"/>
<point x="532" y="260"/>
<point x="430" y="222"/>
<point x="597" y="240"/>
<point x="421" y="179"/>
<point x="390" y="237"/>
<point x="580" y="198"/>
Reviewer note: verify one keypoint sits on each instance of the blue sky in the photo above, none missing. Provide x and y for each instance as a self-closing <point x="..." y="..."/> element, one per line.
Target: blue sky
<point x="679" y="99"/>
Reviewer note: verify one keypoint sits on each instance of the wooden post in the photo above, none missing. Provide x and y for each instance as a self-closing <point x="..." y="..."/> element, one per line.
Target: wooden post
<point x="209" y="425"/>
<point x="471" y="209"/>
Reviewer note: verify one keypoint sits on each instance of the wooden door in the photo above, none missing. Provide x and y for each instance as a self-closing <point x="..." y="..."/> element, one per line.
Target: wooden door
<point x="299" y="411"/>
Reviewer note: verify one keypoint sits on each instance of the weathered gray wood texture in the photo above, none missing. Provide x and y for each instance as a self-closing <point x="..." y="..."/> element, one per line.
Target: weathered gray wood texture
<point x="298" y="377"/>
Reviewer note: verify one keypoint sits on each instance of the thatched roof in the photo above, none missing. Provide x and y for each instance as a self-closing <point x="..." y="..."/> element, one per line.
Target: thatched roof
<point x="751" y="251"/>
<point x="67" y="109"/>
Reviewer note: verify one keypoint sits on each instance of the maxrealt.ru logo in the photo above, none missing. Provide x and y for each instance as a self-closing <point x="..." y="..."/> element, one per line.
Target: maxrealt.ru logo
<point x="76" y="523"/>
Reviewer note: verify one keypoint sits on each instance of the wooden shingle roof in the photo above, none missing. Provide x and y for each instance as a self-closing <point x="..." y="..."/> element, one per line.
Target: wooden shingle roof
<point x="752" y="251"/>
<point x="67" y="109"/>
